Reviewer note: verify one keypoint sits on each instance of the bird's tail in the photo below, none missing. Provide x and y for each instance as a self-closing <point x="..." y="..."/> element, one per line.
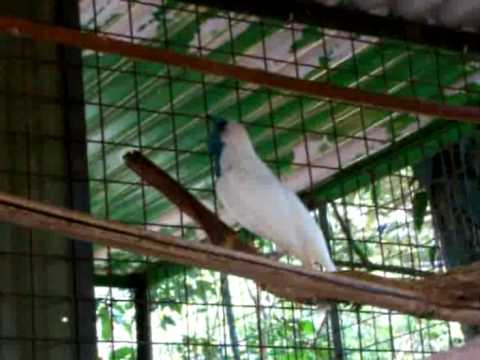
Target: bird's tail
<point x="319" y="252"/>
<point x="323" y="308"/>
<point x="325" y="260"/>
<point x="328" y="264"/>
<point x="321" y="257"/>
<point x="323" y="254"/>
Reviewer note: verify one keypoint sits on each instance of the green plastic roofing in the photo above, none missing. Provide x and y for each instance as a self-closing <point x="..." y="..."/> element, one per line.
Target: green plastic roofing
<point x="130" y="104"/>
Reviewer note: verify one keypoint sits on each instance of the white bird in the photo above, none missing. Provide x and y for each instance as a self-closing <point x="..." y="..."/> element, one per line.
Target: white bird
<point x="255" y="198"/>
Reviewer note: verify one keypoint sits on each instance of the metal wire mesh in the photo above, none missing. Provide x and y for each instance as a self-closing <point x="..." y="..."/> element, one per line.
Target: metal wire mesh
<point x="363" y="172"/>
<point x="46" y="279"/>
<point x="161" y="111"/>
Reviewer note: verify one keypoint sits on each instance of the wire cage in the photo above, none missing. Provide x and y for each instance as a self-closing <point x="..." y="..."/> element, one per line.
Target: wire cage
<point x="393" y="191"/>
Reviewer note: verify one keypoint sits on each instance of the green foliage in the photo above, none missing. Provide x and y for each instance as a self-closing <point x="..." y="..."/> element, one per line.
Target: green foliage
<point x="103" y="315"/>
<point x="306" y="327"/>
<point x="201" y="348"/>
<point x="115" y="322"/>
<point x="166" y="322"/>
<point x="123" y="353"/>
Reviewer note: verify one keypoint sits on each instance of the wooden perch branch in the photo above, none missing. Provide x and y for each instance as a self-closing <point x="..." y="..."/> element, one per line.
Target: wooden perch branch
<point x="37" y="31"/>
<point x="416" y="298"/>
<point x="218" y="232"/>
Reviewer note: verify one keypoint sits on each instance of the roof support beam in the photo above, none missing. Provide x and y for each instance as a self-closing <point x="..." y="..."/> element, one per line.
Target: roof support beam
<point x="322" y="90"/>
<point x="355" y="21"/>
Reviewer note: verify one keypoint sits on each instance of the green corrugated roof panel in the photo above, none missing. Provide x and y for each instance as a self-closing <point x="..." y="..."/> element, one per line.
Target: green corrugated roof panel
<point x="113" y="102"/>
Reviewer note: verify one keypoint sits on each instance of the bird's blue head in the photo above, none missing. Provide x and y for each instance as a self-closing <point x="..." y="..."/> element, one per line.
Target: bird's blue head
<point x="215" y="143"/>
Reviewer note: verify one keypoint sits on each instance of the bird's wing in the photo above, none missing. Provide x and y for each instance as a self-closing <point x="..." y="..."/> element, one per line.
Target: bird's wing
<point x="259" y="204"/>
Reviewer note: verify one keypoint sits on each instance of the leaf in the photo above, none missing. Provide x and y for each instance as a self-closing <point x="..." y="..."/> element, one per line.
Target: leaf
<point x="177" y="307"/>
<point x="118" y="312"/>
<point x="105" y="321"/>
<point x="306" y="327"/>
<point x="166" y="321"/>
<point x="123" y="353"/>
<point x="203" y="288"/>
<point x="420" y="202"/>
<point x="128" y="327"/>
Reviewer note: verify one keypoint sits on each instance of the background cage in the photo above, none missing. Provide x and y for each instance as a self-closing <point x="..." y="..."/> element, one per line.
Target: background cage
<point x="393" y="191"/>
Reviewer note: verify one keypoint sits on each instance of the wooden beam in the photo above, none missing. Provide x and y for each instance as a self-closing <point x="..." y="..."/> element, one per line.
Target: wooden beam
<point x="41" y="32"/>
<point x="291" y="282"/>
<point x="352" y="20"/>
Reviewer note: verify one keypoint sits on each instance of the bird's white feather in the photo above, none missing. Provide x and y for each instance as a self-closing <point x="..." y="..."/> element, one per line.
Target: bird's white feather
<point x="258" y="201"/>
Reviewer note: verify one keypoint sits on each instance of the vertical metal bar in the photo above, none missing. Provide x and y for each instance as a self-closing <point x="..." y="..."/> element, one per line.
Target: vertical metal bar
<point x="77" y="172"/>
<point x="142" y="318"/>
<point x="334" y="314"/>
<point x="336" y="333"/>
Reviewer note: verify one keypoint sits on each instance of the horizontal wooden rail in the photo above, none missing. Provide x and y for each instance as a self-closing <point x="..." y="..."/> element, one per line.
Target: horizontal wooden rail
<point x="420" y="298"/>
<point x="61" y="35"/>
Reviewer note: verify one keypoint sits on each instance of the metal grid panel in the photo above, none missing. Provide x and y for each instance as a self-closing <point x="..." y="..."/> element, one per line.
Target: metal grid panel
<point x="42" y="298"/>
<point x="161" y="111"/>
